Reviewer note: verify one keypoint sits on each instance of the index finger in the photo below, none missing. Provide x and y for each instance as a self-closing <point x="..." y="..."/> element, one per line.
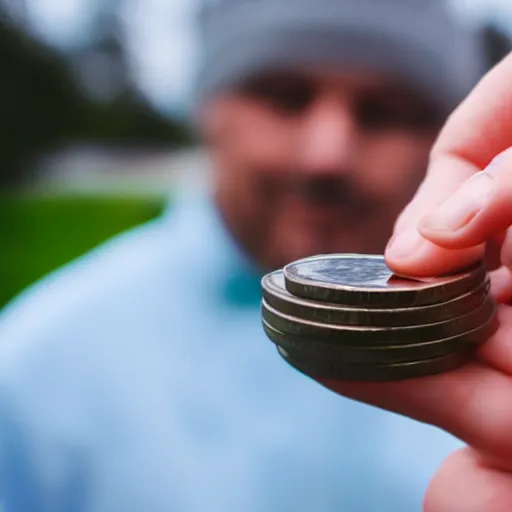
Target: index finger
<point x="477" y="131"/>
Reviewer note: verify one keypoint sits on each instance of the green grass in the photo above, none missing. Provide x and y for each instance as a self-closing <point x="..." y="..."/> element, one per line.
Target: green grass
<point x="40" y="233"/>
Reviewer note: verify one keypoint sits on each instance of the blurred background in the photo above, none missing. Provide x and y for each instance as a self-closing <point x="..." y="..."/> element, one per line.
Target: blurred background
<point x="94" y="137"/>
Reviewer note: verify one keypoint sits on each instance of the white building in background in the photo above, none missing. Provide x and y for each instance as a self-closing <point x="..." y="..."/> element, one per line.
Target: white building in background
<point x="103" y="170"/>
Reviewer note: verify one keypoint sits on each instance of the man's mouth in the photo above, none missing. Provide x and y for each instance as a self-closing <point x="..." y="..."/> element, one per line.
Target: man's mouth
<point x="326" y="194"/>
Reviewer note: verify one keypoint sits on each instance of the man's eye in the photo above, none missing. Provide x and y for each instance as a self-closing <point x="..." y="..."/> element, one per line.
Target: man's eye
<point x="386" y="116"/>
<point x="375" y="116"/>
<point x="287" y="99"/>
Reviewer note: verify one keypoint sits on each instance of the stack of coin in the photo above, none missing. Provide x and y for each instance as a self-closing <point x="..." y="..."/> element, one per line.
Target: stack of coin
<point x="347" y="317"/>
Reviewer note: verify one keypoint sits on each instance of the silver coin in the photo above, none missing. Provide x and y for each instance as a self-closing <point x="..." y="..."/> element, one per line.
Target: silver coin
<point x="278" y="297"/>
<point x="334" y="370"/>
<point x="382" y="354"/>
<point x="365" y="281"/>
<point x="368" y="336"/>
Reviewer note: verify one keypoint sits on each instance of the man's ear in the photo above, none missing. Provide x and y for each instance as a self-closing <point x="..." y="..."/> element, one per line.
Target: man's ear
<point x="209" y="120"/>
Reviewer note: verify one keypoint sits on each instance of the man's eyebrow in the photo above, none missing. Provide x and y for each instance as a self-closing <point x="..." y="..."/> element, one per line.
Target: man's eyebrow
<point x="396" y="93"/>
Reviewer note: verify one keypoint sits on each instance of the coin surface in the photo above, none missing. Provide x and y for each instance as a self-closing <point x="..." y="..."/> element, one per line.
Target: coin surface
<point x="381" y="354"/>
<point x="334" y="370"/>
<point x="365" y="281"/>
<point x="371" y="336"/>
<point x="278" y="297"/>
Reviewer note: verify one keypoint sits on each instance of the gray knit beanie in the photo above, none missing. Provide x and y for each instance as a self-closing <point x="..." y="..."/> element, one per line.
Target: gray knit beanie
<point x="418" y="41"/>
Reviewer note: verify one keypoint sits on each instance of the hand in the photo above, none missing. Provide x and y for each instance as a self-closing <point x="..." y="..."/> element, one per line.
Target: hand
<point x="462" y="214"/>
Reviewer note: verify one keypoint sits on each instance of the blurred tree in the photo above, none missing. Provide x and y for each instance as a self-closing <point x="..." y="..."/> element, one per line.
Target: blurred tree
<point x="101" y="62"/>
<point x="119" y="111"/>
<point x="48" y="99"/>
<point x="16" y="10"/>
<point x="39" y="104"/>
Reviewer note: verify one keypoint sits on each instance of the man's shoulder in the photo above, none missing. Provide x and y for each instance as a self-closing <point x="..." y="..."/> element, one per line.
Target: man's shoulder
<point x="95" y="284"/>
<point x="144" y="286"/>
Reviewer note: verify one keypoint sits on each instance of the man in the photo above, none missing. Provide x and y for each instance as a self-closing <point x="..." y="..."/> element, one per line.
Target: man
<point x="138" y="378"/>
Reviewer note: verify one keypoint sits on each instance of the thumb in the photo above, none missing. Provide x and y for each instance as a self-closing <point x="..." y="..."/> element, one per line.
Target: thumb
<point x="478" y="210"/>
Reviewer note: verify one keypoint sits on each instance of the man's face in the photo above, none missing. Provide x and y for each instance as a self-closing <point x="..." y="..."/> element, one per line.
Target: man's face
<point x="316" y="163"/>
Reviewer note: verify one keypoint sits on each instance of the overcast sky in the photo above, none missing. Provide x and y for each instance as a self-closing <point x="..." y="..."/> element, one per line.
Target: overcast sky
<point x="163" y="37"/>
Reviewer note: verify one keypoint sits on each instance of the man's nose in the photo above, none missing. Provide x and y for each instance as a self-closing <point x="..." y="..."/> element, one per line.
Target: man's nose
<point x="328" y="136"/>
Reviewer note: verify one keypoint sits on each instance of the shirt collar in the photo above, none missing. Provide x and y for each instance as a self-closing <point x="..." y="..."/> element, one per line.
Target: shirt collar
<point x="234" y="278"/>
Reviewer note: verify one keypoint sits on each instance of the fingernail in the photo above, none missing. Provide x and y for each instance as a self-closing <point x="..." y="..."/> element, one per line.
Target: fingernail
<point x="494" y="164"/>
<point x="460" y="209"/>
<point x="404" y="244"/>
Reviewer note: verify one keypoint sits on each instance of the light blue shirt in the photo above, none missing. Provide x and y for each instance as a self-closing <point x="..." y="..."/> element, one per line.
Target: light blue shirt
<point x="139" y="379"/>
